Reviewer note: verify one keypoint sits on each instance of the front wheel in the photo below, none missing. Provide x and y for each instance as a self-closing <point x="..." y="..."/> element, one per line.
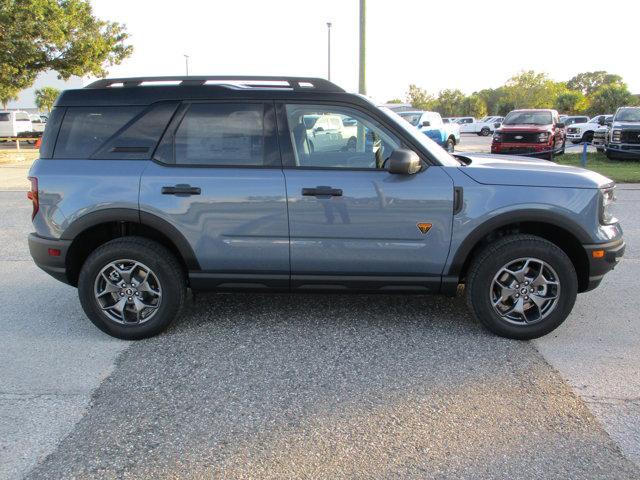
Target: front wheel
<point x="521" y="287"/>
<point x="450" y="146"/>
<point x="132" y="288"/>
<point x="485" y="131"/>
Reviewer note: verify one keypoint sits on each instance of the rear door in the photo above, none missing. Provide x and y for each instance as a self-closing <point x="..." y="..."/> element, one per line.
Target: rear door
<point x="352" y="223"/>
<point x="217" y="178"/>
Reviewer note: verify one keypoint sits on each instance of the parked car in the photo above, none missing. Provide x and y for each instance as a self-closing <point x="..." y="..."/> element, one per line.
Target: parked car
<point x="485" y="126"/>
<point x="14" y="122"/>
<point x="530" y="132"/>
<point x="447" y="135"/>
<point x="37" y="123"/>
<point x="600" y="138"/>
<point x="330" y="133"/>
<point x="145" y="190"/>
<point x="624" y="134"/>
<point x="583" y="132"/>
<point x="575" y="119"/>
<point x="466" y="124"/>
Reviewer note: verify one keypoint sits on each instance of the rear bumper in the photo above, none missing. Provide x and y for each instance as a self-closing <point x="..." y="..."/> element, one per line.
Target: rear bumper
<point x="600" y="266"/>
<point x="43" y="253"/>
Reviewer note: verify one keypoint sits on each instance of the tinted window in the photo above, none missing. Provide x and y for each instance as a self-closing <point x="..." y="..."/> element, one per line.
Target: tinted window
<point x="85" y="129"/>
<point x="361" y="143"/>
<point x="4" y="116"/>
<point x="221" y="134"/>
<point x="51" y="131"/>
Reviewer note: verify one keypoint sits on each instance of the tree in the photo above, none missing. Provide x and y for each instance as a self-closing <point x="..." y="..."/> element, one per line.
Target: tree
<point x="571" y="102"/>
<point x="474" y="106"/>
<point x="7" y="95"/>
<point x="45" y="98"/>
<point x="60" y="35"/>
<point x="496" y="100"/>
<point x="589" y="82"/>
<point x="609" y="97"/>
<point x="533" y="90"/>
<point x="450" y="103"/>
<point x="394" y="100"/>
<point x="419" y="98"/>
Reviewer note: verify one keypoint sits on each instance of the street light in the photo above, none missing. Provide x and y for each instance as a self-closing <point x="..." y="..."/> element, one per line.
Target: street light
<point x="186" y="63"/>
<point x="329" y="51"/>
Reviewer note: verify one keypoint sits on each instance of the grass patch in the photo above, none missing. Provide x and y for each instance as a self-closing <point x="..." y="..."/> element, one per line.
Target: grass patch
<point x="13" y="156"/>
<point x="621" y="171"/>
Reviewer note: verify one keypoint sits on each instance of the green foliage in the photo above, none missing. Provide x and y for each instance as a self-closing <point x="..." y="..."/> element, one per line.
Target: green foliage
<point x="7" y="94"/>
<point x="394" y="100"/>
<point x="60" y="35"/>
<point x="532" y="90"/>
<point x="45" y="98"/>
<point x="474" y="106"/>
<point x="589" y="82"/>
<point x="450" y="103"/>
<point x="419" y="98"/>
<point x="609" y="97"/>
<point x="571" y="102"/>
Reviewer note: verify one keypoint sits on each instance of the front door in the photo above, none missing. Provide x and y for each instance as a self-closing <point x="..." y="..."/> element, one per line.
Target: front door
<point x="353" y="224"/>
<point x="218" y="181"/>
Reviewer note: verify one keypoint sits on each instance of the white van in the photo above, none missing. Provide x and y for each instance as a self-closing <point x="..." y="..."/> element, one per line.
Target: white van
<point x="12" y="123"/>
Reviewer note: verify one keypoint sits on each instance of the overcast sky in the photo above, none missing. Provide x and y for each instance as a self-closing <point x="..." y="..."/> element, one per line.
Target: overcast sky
<point x="437" y="44"/>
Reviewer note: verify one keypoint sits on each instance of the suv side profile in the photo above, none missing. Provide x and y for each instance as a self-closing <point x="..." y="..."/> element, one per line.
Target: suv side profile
<point x="146" y="187"/>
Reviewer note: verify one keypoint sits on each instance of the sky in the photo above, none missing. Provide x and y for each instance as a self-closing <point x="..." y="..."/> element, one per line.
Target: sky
<point x="435" y="44"/>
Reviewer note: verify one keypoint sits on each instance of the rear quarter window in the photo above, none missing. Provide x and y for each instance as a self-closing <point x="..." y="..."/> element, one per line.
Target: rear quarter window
<point x="85" y="129"/>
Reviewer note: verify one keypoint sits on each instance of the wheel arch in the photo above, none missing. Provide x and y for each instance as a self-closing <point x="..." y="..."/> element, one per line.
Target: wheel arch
<point x="96" y="228"/>
<point x="561" y="231"/>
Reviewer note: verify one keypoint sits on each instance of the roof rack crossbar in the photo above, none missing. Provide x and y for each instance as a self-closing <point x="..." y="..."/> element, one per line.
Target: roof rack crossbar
<point x="295" y="83"/>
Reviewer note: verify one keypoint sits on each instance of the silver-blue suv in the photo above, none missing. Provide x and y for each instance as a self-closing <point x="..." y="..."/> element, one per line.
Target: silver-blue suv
<point x="146" y="187"/>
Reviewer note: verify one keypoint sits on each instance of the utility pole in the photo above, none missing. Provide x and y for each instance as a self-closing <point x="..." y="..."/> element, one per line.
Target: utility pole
<point x="362" y="86"/>
<point x="186" y="63"/>
<point x="329" y="51"/>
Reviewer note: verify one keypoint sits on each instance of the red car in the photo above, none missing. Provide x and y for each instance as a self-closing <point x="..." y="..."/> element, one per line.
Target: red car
<point x="536" y="133"/>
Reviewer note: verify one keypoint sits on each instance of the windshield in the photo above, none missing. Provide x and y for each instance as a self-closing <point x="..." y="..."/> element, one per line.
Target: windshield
<point x="528" y="118"/>
<point x="628" y="115"/>
<point x="432" y="147"/>
<point x="412" y="117"/>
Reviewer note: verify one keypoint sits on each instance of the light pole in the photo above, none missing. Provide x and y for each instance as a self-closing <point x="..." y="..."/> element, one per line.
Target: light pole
<point x="362" y="87"/>
<point x="186" y="63"/>
<point x="329" y="51"/>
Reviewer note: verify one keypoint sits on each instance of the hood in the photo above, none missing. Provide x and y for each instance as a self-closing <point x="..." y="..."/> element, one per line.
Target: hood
<point x="531" y="172"/>
<point x="584" y="125"/>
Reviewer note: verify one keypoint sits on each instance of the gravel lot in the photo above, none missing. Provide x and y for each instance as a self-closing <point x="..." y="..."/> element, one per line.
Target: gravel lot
<point x="314" y="386"/>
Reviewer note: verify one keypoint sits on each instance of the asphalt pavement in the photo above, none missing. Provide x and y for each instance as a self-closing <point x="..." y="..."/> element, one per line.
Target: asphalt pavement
<point x="326" y="386"/>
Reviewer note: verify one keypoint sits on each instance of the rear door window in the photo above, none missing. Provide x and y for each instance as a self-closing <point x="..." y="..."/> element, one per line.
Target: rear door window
<point x="85" y="129"/>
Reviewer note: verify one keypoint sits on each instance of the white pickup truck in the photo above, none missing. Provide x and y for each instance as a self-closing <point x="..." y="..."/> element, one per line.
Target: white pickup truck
<point x="484" y="126"/>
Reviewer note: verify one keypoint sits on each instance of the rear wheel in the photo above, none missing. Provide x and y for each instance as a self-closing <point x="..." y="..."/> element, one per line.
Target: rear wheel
<point x="485" y="131"/>
<point x="521" y="287"/>
<point x="132" y="288"/>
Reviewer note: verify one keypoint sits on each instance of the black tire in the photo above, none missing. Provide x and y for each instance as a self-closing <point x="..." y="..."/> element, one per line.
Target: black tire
<point x="587" y="137"/>
<point x="485" y="131"/>
<point x="489" y="261"/>
<point x="450" y="146"/>
<point x="165" y="267"/>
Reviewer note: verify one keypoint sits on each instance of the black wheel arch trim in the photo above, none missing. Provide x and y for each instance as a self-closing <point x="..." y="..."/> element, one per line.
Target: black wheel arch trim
<point x="508" y="218"/>
<point x="108" y="215"/>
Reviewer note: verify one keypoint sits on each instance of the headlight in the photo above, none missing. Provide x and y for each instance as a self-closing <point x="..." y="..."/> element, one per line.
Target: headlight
<point x="497" y="137"/>
<point x="543" y="137"/>
<point x="607" y="198"/>
<point x="616" y="136"/>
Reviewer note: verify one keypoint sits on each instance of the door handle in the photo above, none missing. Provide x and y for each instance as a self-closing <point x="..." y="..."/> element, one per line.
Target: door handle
<point x="181" y="190"/>
<point x="322" y="191"/>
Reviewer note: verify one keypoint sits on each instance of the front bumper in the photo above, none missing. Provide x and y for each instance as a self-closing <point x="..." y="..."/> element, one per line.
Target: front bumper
<point x="632" y="150"/>
<point x="600" y="265"/>
<point x="574" y="137"/>
<point x="43" y="253"/>
<point x="521" y="148"/>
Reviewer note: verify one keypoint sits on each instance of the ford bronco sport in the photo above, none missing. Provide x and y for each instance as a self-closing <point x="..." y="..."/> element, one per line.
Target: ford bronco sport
<point x="148" y="186"/>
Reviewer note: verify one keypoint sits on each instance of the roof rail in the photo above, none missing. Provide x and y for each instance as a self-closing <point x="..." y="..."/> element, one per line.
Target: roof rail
<point x="294" y="83"/>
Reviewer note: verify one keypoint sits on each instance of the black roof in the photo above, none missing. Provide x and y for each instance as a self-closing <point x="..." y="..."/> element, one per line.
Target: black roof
<point x="147" y="90"/>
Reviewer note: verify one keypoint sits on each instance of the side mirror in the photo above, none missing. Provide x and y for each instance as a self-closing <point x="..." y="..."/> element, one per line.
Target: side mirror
<point x="426" y="123"/>
<point x="497" y="125"/>
<point x="608" y="123"/>
<point x="319" y="129"/>
<point x="601" y="121"/>
<point x="404" y="162"/>
<point x="560" y="125"/>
